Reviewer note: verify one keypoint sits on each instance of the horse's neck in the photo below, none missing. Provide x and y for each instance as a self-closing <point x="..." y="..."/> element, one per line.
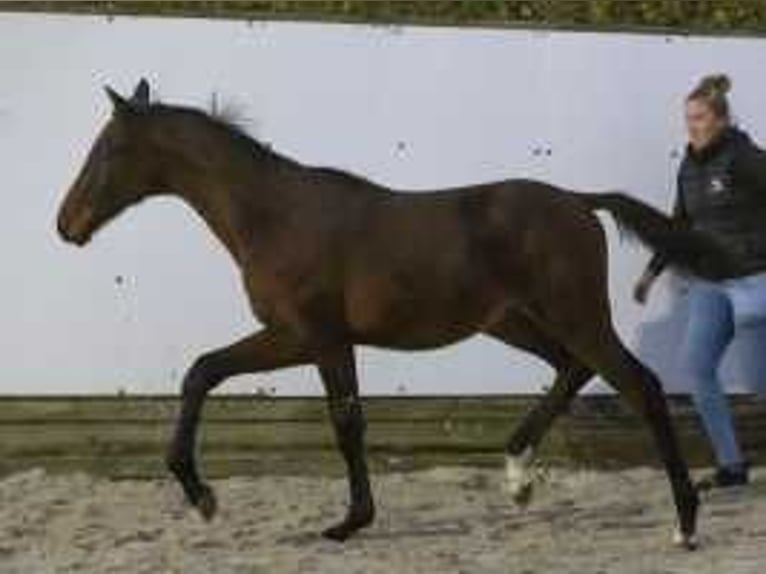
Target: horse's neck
<point x="233" y="195"/>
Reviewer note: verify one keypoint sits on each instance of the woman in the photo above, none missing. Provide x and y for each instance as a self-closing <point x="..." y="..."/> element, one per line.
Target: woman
<point x="721" y="191"/>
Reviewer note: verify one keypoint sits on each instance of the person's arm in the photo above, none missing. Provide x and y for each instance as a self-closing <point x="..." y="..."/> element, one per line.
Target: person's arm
<point x="657" y="263"/>
<point x="750" y="166"/>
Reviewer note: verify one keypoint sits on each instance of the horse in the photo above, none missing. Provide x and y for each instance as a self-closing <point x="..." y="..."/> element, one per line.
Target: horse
<point x="331" y="260"/>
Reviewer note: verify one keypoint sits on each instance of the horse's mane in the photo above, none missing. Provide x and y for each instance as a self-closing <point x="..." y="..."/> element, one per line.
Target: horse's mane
<point x="231" y="120"/>
<point x="231" y="114"/>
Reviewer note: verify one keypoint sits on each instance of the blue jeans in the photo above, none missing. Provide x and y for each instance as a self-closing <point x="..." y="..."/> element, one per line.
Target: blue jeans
<point x="715" y="310"/>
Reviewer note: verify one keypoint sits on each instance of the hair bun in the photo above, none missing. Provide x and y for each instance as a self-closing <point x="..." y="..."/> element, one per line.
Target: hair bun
<point x="717" y="84"/>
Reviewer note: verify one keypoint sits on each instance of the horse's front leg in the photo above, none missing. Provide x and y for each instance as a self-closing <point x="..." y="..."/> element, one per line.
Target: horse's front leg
<point x="264" y="351"/>
<point x="338" y="370"/>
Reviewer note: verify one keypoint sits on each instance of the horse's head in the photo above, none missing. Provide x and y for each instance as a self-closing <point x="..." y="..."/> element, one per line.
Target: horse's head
<point x="120" y="170"/>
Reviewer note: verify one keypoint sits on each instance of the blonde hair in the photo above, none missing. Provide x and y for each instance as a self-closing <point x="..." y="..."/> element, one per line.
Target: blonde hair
<point x="713" y="91"/>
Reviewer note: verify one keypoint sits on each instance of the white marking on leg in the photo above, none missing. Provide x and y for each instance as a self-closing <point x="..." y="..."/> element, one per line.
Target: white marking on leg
<point x="688" y="542"/>
<point x="517" y="470"/>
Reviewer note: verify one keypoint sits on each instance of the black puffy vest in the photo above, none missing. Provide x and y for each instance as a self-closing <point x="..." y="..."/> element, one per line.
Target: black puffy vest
<point x="717" y="200"/>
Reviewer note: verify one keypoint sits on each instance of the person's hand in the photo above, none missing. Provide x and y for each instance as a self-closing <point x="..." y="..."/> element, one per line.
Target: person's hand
<point x="642" y="288"/>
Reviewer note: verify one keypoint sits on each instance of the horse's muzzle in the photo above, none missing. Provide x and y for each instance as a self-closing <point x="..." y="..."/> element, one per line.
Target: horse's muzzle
<point x="74" y="228"/>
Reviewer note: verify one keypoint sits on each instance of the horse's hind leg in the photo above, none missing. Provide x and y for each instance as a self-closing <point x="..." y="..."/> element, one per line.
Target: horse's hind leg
<point x="641" y="389"/>
<point x="263" y="351"/>
<point x="568" y="294"/>
<point x="520" y="332"/>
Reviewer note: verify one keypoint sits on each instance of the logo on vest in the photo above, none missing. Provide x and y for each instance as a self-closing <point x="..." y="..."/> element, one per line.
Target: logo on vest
<point x="717" y="185"/>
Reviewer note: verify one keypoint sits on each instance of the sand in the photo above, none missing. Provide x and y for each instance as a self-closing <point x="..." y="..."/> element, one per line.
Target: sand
<point x="439" y="521"/>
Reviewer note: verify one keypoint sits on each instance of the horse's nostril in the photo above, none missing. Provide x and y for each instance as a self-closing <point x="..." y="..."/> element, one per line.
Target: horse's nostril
<point x="61" y="226"/>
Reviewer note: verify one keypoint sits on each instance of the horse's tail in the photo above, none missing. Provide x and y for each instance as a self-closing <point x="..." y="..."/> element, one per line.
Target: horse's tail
<point x="678" y="244"/>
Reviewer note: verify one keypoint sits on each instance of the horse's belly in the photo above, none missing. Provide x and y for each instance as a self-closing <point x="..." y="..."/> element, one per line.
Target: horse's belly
<point x="414" y="337"/>
<point x="398" y="319"/>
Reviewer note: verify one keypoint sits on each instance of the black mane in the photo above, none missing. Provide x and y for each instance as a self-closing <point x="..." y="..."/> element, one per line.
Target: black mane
<point x="234" y="128"/>
<point x="228" y="124"/>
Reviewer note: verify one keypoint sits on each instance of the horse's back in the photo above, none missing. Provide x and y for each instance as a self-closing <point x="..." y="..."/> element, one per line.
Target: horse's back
<point x="434" y="267"/>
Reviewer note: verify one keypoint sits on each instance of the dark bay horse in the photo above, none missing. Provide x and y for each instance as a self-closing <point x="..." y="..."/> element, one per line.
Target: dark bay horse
<point x="330" y="261"/>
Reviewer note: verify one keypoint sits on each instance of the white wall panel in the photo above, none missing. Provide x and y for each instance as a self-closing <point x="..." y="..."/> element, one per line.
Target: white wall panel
<point x="409" y="107"/>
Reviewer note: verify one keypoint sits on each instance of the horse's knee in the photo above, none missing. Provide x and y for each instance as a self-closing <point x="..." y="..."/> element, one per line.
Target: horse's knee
<point x="346" y="411"/>
<point x="350" y="425"/>
<point x="201" y="376"/>
<point x="347" y="414"/>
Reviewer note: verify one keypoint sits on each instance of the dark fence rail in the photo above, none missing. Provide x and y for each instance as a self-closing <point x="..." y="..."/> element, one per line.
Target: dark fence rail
<point x="126" y="436"/>
<point x="685" y="15"/>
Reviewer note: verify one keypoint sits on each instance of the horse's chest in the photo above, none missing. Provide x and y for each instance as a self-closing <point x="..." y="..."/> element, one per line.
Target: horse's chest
<point x="288" y="295"/>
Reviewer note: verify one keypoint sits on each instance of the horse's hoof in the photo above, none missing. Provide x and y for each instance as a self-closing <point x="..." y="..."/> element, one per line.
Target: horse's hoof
<point x="519" y="474"/>
<point x="686" y="541"/>
<point x="344" y="530"/>
<point x="338" y="533"/>
<point x="523" y="495"/>
<point x="206" y="503"/>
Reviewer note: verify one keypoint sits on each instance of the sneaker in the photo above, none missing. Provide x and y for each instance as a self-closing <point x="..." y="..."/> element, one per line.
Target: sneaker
<point x="726" y="477"/>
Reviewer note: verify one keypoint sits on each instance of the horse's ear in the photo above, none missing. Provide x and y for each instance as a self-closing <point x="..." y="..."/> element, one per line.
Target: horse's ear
<point x="120" y="104"/>
<point x="141" y="95"/>
<point x="137" y="103"/>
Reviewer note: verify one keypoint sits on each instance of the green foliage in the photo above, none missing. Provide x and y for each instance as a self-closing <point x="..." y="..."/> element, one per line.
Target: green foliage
<point x="687" y="15"/>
